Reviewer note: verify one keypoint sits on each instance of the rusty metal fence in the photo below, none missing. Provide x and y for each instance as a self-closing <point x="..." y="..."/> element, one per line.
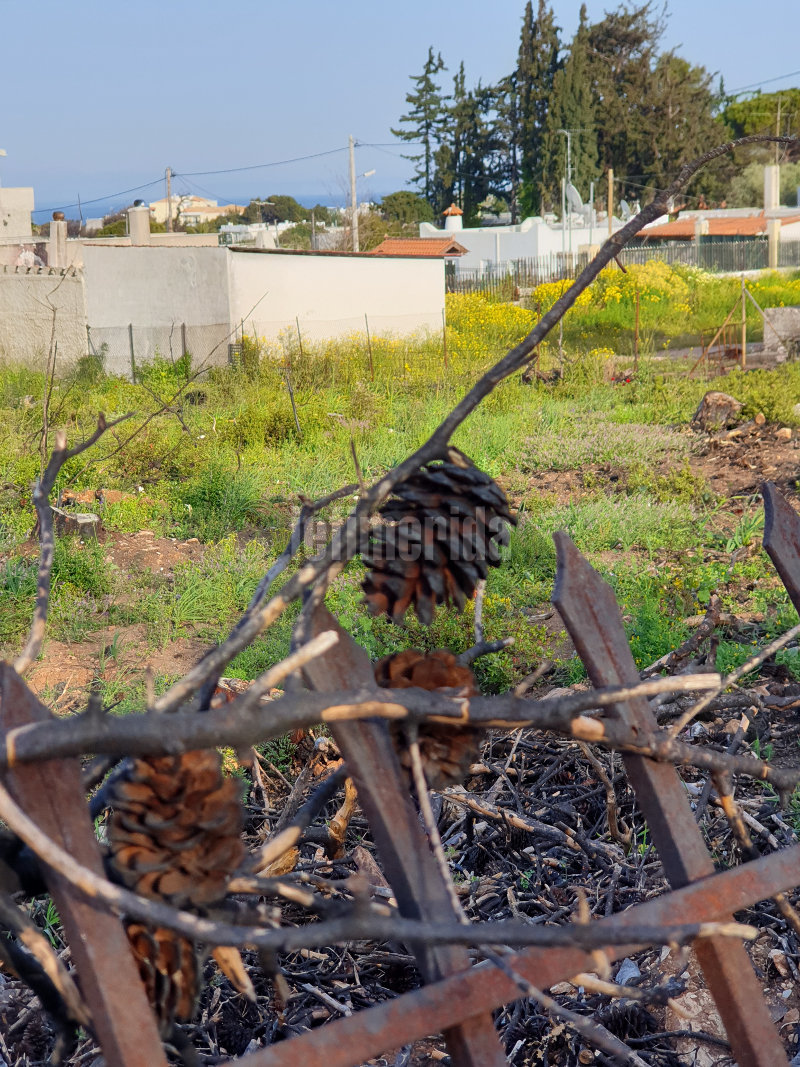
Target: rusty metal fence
<point x="458" y="999"/>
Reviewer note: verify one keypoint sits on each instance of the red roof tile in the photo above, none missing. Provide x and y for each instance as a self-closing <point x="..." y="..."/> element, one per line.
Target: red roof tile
<point x="683" y="229"/>
<point x="429" y="247"/>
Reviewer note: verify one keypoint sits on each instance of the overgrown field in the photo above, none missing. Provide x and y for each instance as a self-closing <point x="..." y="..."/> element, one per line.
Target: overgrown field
<point x="225" y="462"/>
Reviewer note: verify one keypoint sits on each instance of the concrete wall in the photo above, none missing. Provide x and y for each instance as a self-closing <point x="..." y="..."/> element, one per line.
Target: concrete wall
<point x="16" y="206"/>
<point x="139" y="302"/>
<point x="330" y="293"/>
<point x="156" y="289"/>
<point x="26" y="317"/>
<point x="782" y="333"/>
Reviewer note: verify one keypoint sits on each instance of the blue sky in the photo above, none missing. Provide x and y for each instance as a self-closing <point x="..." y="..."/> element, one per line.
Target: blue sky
<point x="99" y="97"/>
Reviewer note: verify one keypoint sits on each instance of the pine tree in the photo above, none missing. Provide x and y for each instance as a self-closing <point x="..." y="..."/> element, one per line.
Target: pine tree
<point x="424" y="123"/>
<point x="654" y="109"/>
<point x="536" y="68"/>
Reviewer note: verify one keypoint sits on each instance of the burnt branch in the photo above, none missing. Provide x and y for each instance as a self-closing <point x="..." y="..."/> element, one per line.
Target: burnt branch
<point x="41" y="500"/>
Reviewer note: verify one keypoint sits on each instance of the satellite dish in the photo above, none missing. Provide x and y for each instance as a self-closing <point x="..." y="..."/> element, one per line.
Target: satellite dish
<point x="574" y="197"/>
<point x="624" y="210"/>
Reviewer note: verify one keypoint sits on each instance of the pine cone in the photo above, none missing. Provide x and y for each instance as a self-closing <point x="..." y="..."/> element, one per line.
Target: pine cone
<point x="446" y="752"/>
<point x="175" y="830"/>
<point x="170" y="971"/>
<point x="442" y="530"/>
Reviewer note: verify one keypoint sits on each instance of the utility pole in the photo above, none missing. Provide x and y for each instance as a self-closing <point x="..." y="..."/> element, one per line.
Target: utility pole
<point x="353" y="196"/>
<point x="610" y="201"/>
<point x="169" y="199"/>
<point x="777" y="134"/>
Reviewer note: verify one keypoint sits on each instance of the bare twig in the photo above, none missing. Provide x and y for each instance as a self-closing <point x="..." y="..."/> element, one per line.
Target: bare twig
<point x="41" y="494"/>
<point x="39" y="947"/>
<point x="673" y="660"/>
<point x="357" y="925"/>
<point x="483" y="648"/>
<point x="243" y="723"/>
<point x="733" y="678"/>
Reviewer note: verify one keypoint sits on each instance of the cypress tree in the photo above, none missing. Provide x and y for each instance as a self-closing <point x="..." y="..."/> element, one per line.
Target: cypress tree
<point x="536" y="68"/>
<point x="573" y="109"/>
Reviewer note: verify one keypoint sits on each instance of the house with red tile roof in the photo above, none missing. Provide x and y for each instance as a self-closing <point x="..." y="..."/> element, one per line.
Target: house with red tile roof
<point x="429" y="247"/>
<point x="734" y="224"/>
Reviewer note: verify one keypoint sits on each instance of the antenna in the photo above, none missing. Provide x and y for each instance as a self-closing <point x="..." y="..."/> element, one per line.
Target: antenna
<point x="574" y="198"/>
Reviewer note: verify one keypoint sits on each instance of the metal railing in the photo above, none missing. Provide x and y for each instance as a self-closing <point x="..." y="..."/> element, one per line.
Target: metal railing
<point x="506" y="280"/>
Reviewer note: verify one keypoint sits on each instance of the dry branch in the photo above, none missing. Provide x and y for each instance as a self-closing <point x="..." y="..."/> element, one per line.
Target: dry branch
<point x="41" y="495"/>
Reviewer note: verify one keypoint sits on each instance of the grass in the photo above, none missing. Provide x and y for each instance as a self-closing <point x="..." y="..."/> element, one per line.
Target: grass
<point x="230" y="471"/>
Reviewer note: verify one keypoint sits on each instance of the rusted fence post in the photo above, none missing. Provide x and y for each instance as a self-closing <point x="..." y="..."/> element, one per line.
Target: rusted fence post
<point x="782" y="539"/>
<point x="403" y="848"/>
<point x="591" y="615"/>
<point x="51" y="794"/>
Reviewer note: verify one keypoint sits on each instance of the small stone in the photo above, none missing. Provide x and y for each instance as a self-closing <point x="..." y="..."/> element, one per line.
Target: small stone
<point x="778" y="961"/>
<point x="761" y="418"/>
<point x="784" y="433"/>
<point x="561" y="989"/>
<point x="628" y="972"/>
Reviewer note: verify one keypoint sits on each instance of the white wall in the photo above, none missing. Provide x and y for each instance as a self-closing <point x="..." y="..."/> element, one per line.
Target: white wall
<point x="491" y="246"/>
<point x="16" y="206"/>
<point x="331" y="292"/>
<point x="27" y="301"/>
<point x="198" y="297"/>
<point x="156" y="289"/>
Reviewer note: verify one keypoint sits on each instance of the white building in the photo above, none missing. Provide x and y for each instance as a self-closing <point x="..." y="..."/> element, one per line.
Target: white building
<point x="533" y="238"/>
<point x="133" y="297"/>
<point x="191" y="210"/>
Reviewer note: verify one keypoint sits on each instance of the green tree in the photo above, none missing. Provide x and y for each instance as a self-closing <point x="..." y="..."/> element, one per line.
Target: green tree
<point x="424" y="123"/>
<point x="653" y="110"/>
<point x="766" y="113"/>
<point x="682" y="124"/>
<point x="275" y="208"/>
<point x="537" y="64"/>
<point x="573" y="109"/>
<point x="746" y="188"/>
<point x="297" y="236"/>
<point x="507" y="135"/>
<point x="406" y="207"/>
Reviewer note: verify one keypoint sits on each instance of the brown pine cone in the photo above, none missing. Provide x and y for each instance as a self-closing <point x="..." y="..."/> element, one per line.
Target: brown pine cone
<point x="446" y="752"/>
<point x="442" y="530"/>
<point x="170" y="971"/>
<point x="175" y="829"/>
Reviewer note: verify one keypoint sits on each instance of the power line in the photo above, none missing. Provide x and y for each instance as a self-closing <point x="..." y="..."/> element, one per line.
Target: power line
<point x="100" y="199"/>
<point x="767" y="81"/>
<point x="262" y="166"/>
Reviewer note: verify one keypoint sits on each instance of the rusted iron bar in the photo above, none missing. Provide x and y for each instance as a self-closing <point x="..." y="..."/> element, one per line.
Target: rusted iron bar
<point x="591" y="615"/>
<point x="782" y="539"/>
<point x="51" y="794"/>
<point x="445" y="1004"/>
<point x="407" y="860"/>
